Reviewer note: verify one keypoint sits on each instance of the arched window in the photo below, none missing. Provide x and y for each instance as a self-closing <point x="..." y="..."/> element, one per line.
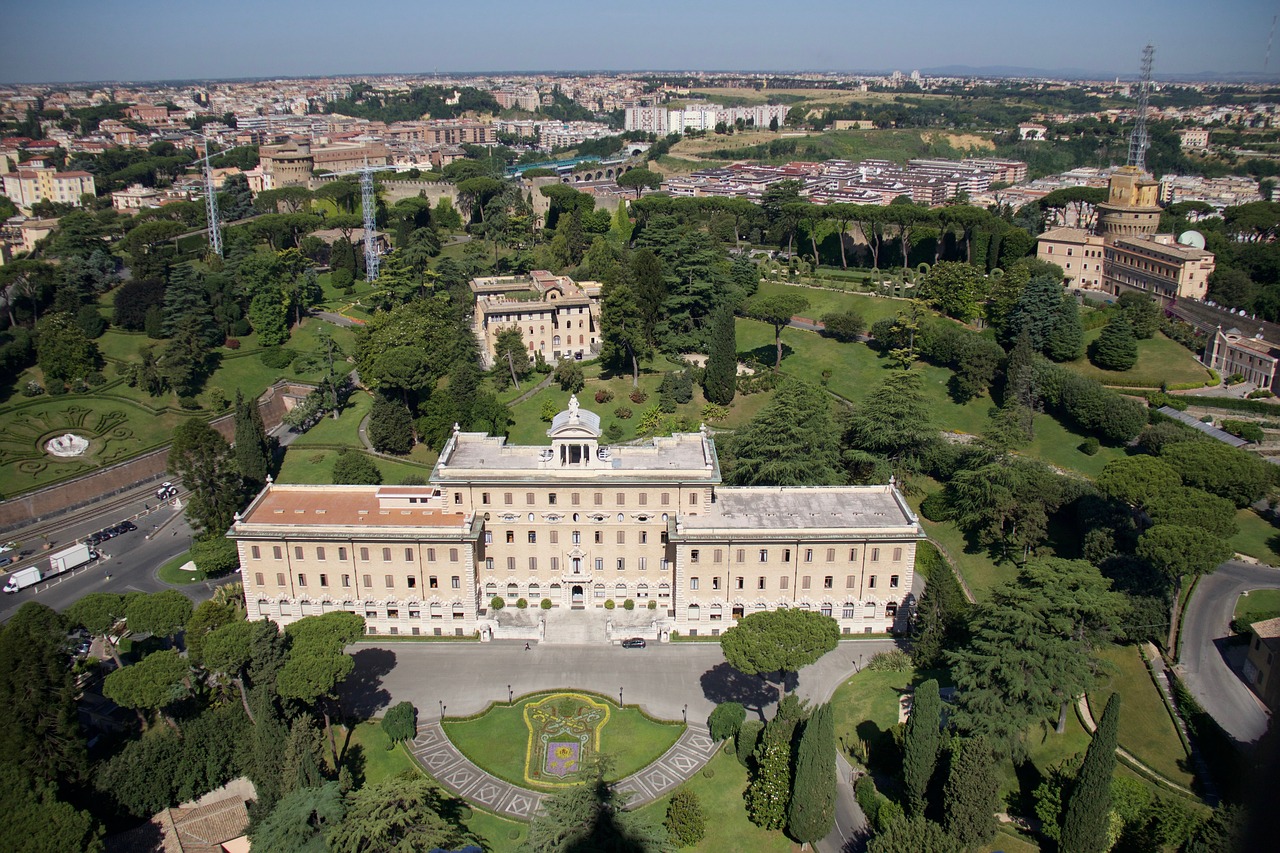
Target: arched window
<point x="555" y="341"/>
<point x="695" y="612"/>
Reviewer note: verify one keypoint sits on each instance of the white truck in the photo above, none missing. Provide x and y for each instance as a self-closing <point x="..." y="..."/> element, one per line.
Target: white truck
<point x="63" y="561"/>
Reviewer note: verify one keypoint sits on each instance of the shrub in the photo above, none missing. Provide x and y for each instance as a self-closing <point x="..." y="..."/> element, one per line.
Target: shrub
<point x="613" y="431"/>
<point x="726" y="720"/>
<point x="95" y="379"/>
<point x="215" y="556"/>
<point x="604" y="395"/>
<point x="549" y="411"/>
<point x="685" y="823"/>
<point x="569" y="375"/>
<point x="521" y="604"/>
<point x="746" y="739"/>
<point x="190" y="404"/>
<point x="1234" y="379"/>
<point x="1248" y="430"/>
<point x="628" y="605"/>
<point x="653" y="605"/>
<point x="609" y="605"/>
<point x="277" y="358"/>
<point x="231" y="343"/>
<point x="1090" y="446"/>
<point x="218" y="399"/>
<point x="713" y="412"/>
<point x="623" y="413"/>
<point x="400" y="723"/>
<point x="864" y="791"/>
<point x="57" y="389"/>
<point x="497" y="603"/>
<point x="844" y="326"/>
<point x="546" y="604"/>
<point x="637" y="396"/>
<point x="934" y="507"/>
<point x="894" y="661"/>
<point x="32" y="389"/>
<point x="1260" y="394"/>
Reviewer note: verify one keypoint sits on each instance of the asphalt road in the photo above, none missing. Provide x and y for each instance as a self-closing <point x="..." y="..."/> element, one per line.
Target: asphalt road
<point x="1203" y="665"/>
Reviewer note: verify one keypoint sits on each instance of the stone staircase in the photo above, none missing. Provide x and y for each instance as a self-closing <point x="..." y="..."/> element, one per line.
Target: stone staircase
<point x="576" y="627"/>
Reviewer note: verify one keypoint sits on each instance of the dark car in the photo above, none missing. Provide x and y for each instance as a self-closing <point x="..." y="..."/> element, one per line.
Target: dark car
<point x="93" y="538"/>
<point x="634" y="643"/>
<point x="128" y="526"/>
<point x="106" y="533"/>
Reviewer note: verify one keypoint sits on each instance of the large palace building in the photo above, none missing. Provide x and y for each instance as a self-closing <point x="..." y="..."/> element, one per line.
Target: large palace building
<point x="576" y="526"/>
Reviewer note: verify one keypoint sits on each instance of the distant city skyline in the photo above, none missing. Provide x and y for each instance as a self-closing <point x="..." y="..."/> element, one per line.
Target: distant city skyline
<point x="142" y="40"/>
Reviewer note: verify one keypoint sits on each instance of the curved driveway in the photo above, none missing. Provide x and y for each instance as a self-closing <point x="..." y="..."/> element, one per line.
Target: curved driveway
<point x="1203" y="664"/>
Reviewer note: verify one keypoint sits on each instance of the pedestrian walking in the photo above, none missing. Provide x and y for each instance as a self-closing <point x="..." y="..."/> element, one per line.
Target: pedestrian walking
<point x="526" y="647"/>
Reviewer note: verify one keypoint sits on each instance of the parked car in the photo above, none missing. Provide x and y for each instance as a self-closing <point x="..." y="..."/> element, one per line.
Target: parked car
<point x="633" y="643"/>
<point x="128" y="526"/>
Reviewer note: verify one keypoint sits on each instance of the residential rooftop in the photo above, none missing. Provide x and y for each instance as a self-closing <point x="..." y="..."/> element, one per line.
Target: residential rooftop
<point x="803" y="509"/>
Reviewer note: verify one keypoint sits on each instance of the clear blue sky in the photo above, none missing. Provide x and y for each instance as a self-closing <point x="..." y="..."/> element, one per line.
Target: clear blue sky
<point x="72" y="40"/>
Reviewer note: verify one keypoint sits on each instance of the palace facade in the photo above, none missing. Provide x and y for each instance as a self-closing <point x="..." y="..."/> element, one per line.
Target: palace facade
<point x="576" y="525"/>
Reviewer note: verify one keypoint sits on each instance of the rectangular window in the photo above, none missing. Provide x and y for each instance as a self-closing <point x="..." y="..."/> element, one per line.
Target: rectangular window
<point x="786" y="555"/>
<point x="693" y="583"/>
<point x="760" y="582"/>
<point x="555" y="537"/>
<point x="599" y="564"/>
<point x="831" y="555"/>
<point x="764" y="555"/>
<point x="828" y="582"/>
<point x="389" y="581"/>
<point x="875" y="555"/>
<point x="897" y="555"/>
<point x="643" y="497"/>
<point x="599" y="537"/>
<point x="533" y="537"/>
<point x="598" y="499"/>
<point x="717" y="556"/>
<point x="551" y="499"/>
<point x="533" y="564"/>
<point x="484" y="498"/>
<point x="488" y="564"/>
<point x="622" y="498"/>
<point x="622" y="537"/>
<point x="279" y="578"/>
<point x="432" y="582"/>
<point x="302" y="580"/>
<point x="324" y="580"/>
<point x="742" y="555"/>
<point x="784" y="582"/>
<point x="511" y="537"/>
<point x="693" y="499"/>
<point x="408" y="555"/>
<point x="453" y="555"/>
<point x="808" y="555"/>
<point x="622" y="564"/>
<point x="555" y="564"/>
<point x="511" y="564"/>
<point x="412" y="580"/>
<point x="693" y="556"/>
<point x="506" y="498"/>
<point x="456" y="582"/>
<point x="665" y="499"/>
<point x="342" y="554"/>
<point x="850" y="582"/>
<point x="386" y="555"/>
<point x="319" y="553"/>
<point x="457" y="498"/>
<point x="257" y="578"/>
<point x="254" y="552"/>
<point x="853" y="555"/>
<point x="528" y="498"/>
<point x="804" y="582"/>
<point x="715" y="583"/>
<point x="575" y="498"/>
<point x="368" y="581"/>
<point x="738" y="583"/>
<point x="893" y="581"/>
<point x="871" y="582"/>
<point x="297" y="552"/>
<point x="576" y="536"/>
<point x="644" y="537"/>
<point x="431" y="555"/>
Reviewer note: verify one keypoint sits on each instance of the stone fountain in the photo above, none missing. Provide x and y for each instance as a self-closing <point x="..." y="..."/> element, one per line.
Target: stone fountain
<point x="66" y="445"/>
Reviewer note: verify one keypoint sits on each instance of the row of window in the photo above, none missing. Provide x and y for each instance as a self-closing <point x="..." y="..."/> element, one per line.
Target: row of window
<point x="389" y="581"/>
<point x="553" y="536"/>
<point x="849" y="611"/>
<point x="434" y="611"/>
<point x="717" y="555"/>
<point x="575" y="564"/>
<point x="806" y="582"/>
<point x="277" y="553"/>
<point x="535" y="590"/>
<point x="575" y="498"/>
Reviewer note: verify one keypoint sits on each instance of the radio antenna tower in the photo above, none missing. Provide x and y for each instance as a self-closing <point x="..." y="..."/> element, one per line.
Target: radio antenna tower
<point x="1138" y="139"/>
<point x="211" y="205"/>
<point x="368" y="200"/>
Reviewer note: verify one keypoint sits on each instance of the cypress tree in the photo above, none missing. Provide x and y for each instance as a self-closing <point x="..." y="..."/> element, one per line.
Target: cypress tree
<point x="390" y="427"/>
<point x="971" y="794"/>
<point x="920" y="744"/>
<point x="719" y="380"/>
<point x="812" y="811"/>
<point x="1066" y="336"/>
<point x="1116" y="348"/>
<point x="1088" y="817"/>
<point x="251" y="452"/>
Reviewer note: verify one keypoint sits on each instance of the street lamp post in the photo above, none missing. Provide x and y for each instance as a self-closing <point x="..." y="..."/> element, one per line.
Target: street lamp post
<point x="509" y="694"/>
<point x="619" y="697"/>
<point x="685" y="711"/>
<point x="441" y="701"/>
<point x="860" y="663"/>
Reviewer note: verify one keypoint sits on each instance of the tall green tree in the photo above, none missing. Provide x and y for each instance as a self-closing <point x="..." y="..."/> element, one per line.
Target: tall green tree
<point x="1219" y="469"/>
<point x="1142" y="313"/>
<point x="942" y="613"/>
<point x="226" y="651"/>
<point x="792" y="442"/>
<point x="623" y="343"/>
<point x="390" y="427"/>
<point x="685" y="822"/>
<point x="99" y="613"/>
<point x="970" y="797"/>
<point x="920" y="744"/>
<point x="64" y="353"/>
<point x="1086" y="826"/>
<point x="778" y="641"/>
<point x="161" y="614"/>
<point x="403" y="813"/>
<point x="1034" y="649"/>
<point x="203" y="459"/>
<point x="776" y="309"/>
<point x="510" y="357"/>
<point x="720" y="378"/>
<point x="769" y="791"/>
<point x="317" y="663"/>
<point x="955" y="289"/>
<point x="914" y="835"/>
<point x="252" y="451"/>
<point x="1116" y="348"/>
<point x="152" y="684"/>
<point x="812" y="811"/>
<point x="1065" y="339"/>
<point x="298" y="822"/>
<point x="592" y="816"/>
<point x="893" y="421"/>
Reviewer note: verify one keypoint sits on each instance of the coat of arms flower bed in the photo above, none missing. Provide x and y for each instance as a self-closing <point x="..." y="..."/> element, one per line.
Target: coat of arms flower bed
<point x="564" y="731"/>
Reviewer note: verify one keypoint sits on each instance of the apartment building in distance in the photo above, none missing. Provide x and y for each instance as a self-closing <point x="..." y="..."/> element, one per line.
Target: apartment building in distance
<point x="582" y="527"/>
<point x="292" y="163"/>
<point x="26" y="187"/>
<point x="557" y="317"/>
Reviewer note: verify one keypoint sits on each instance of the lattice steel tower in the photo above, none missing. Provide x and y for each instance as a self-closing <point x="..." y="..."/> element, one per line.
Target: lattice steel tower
<point x="369" y="202"/>
<point x="211" y="205"/>
<point x="1138" y="139"/>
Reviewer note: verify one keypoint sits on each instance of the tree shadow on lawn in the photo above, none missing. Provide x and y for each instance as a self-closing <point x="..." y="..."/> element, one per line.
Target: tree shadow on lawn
<point x="362" y="694"/>
<point x="766" y="354"/>
<point x="723" y="683"/>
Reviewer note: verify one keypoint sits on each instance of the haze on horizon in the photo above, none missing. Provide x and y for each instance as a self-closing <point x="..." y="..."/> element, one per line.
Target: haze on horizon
<point x="91" y="40"/>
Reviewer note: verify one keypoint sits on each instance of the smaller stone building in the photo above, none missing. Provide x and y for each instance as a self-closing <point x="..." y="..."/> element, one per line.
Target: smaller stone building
<point x="1260" y="667"/>
<point x="1233" y="352"/>
<point x="557" y="317"/>
<point x="1077" y="251"/>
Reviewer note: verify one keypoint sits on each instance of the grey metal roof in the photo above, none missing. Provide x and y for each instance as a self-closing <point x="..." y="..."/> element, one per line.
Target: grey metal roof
<point x="1208" y="429"/>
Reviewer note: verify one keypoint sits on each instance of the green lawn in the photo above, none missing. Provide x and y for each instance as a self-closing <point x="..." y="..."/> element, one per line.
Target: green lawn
<point x="1160" y="360"/>
<point x="497" y="834"/>
<point x="976" y="566"/>
<point x="315" y="465"/>
<point x="1258" y="538"/>
<point x="728" y="828"/>
<point x="826" y="301"/>
<point x="345" y="429"/>
<point x="1146" y="729"/>
<point x="1258" y="603"/>
<point x="379" y="762"/>
<point x="499" y="739"/>
<point x="172" y="572"/>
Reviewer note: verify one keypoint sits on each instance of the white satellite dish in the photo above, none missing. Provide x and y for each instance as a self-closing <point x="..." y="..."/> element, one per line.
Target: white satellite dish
<point x="1192" y="238"/>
